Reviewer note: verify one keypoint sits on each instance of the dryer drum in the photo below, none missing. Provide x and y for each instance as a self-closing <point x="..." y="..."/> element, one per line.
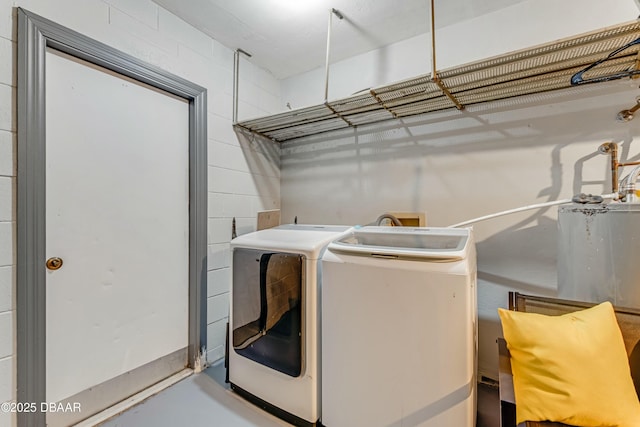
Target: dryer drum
<point x="267" y="317"/>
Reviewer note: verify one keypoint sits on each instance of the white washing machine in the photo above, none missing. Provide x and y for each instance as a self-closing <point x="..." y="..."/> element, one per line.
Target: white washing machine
<point x="399" y="328"/>
<point x="274" y="326"/>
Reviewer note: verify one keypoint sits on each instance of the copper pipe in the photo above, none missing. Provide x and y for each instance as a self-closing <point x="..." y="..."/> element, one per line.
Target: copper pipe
<point x="611" y="148"/>
<point x="627" y="115"/>
<point x="614" y="167"/>
<point x="628" y="164"/>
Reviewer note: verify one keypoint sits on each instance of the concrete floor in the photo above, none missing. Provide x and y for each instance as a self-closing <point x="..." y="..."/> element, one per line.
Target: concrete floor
<point x="204" y="399"/>
<point x="488" y="406"/>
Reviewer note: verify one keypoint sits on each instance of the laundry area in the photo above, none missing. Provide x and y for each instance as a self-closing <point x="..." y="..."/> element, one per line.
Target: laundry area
<point x="319" y="213"/>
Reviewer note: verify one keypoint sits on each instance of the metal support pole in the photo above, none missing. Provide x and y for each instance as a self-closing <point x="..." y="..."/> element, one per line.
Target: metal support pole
<point x="614" y="167"/>
<point x="433" y="40"/>
<point x="434" y="73"/>
<point x="332" y="12"/>
<point x="236" y="74"/>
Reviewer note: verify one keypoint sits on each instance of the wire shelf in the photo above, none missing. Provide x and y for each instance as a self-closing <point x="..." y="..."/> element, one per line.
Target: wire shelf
<point x="538" y="69"/>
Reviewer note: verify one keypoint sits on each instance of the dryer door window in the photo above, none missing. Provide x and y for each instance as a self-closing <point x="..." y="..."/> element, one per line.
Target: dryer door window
<point x="267" y="322"/>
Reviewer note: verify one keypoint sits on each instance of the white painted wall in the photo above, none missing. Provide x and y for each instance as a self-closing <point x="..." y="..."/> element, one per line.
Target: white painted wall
<point x="243" y="174"/>
<point x="447" y="164"/>
<point x="461" y="165"/>
<point x="520" y="26"/>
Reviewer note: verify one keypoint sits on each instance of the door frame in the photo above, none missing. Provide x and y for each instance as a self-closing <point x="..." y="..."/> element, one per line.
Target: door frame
<point x="35" y="35"/>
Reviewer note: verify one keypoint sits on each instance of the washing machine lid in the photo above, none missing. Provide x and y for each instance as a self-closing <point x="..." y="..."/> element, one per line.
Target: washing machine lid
<point x="308" y="240"/>
<point x="434" y="244"/>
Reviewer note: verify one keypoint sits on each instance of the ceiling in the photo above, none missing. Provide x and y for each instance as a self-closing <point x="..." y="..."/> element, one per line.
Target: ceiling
<point x="288" y="37"/>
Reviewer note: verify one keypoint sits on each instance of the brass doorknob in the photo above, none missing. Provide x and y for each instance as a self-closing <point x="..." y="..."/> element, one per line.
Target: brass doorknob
<point x="54" y="263"/>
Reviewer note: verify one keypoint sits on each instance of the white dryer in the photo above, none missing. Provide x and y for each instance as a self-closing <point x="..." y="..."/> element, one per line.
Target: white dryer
<point x="274" y="319"/>
<point x="399" y="328"/>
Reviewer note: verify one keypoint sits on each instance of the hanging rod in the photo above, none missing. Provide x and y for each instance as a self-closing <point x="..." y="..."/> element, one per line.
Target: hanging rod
<point x="434" y="72"/>
<point x="332" y="12"/>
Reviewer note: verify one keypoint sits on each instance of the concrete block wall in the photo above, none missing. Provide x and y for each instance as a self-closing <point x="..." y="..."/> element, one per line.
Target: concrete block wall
<point x="243" y="172"/>
<point x="521" y="25"/>
<point x="7" y="210"/>
<point x="456" y="166"/>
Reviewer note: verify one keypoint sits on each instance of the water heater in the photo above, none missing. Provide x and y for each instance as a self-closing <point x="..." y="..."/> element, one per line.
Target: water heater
<point x="598" y="251"/>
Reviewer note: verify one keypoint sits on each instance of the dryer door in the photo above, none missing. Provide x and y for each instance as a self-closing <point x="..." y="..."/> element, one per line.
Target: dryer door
<point x="266" y="308"/>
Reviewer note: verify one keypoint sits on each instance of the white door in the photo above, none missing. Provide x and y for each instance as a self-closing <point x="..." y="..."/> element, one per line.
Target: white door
<point x="117" y="215"/>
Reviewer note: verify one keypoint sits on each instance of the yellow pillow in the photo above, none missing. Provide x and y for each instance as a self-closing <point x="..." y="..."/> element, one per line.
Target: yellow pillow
<point x="571" y="368"/>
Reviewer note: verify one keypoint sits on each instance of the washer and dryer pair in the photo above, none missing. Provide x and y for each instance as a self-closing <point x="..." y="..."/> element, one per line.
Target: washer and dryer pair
<point x="341" y="326"/>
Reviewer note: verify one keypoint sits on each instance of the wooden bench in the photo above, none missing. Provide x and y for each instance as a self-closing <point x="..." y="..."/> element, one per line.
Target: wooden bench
<point x="628" y="319"/>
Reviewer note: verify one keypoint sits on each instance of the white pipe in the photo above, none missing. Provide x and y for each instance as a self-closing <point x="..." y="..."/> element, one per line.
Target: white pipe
<point x="522" y="209"/>
<point x="332" y="12"/>
<point x="236" y="82"/>
<point x="236" y="70"/>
